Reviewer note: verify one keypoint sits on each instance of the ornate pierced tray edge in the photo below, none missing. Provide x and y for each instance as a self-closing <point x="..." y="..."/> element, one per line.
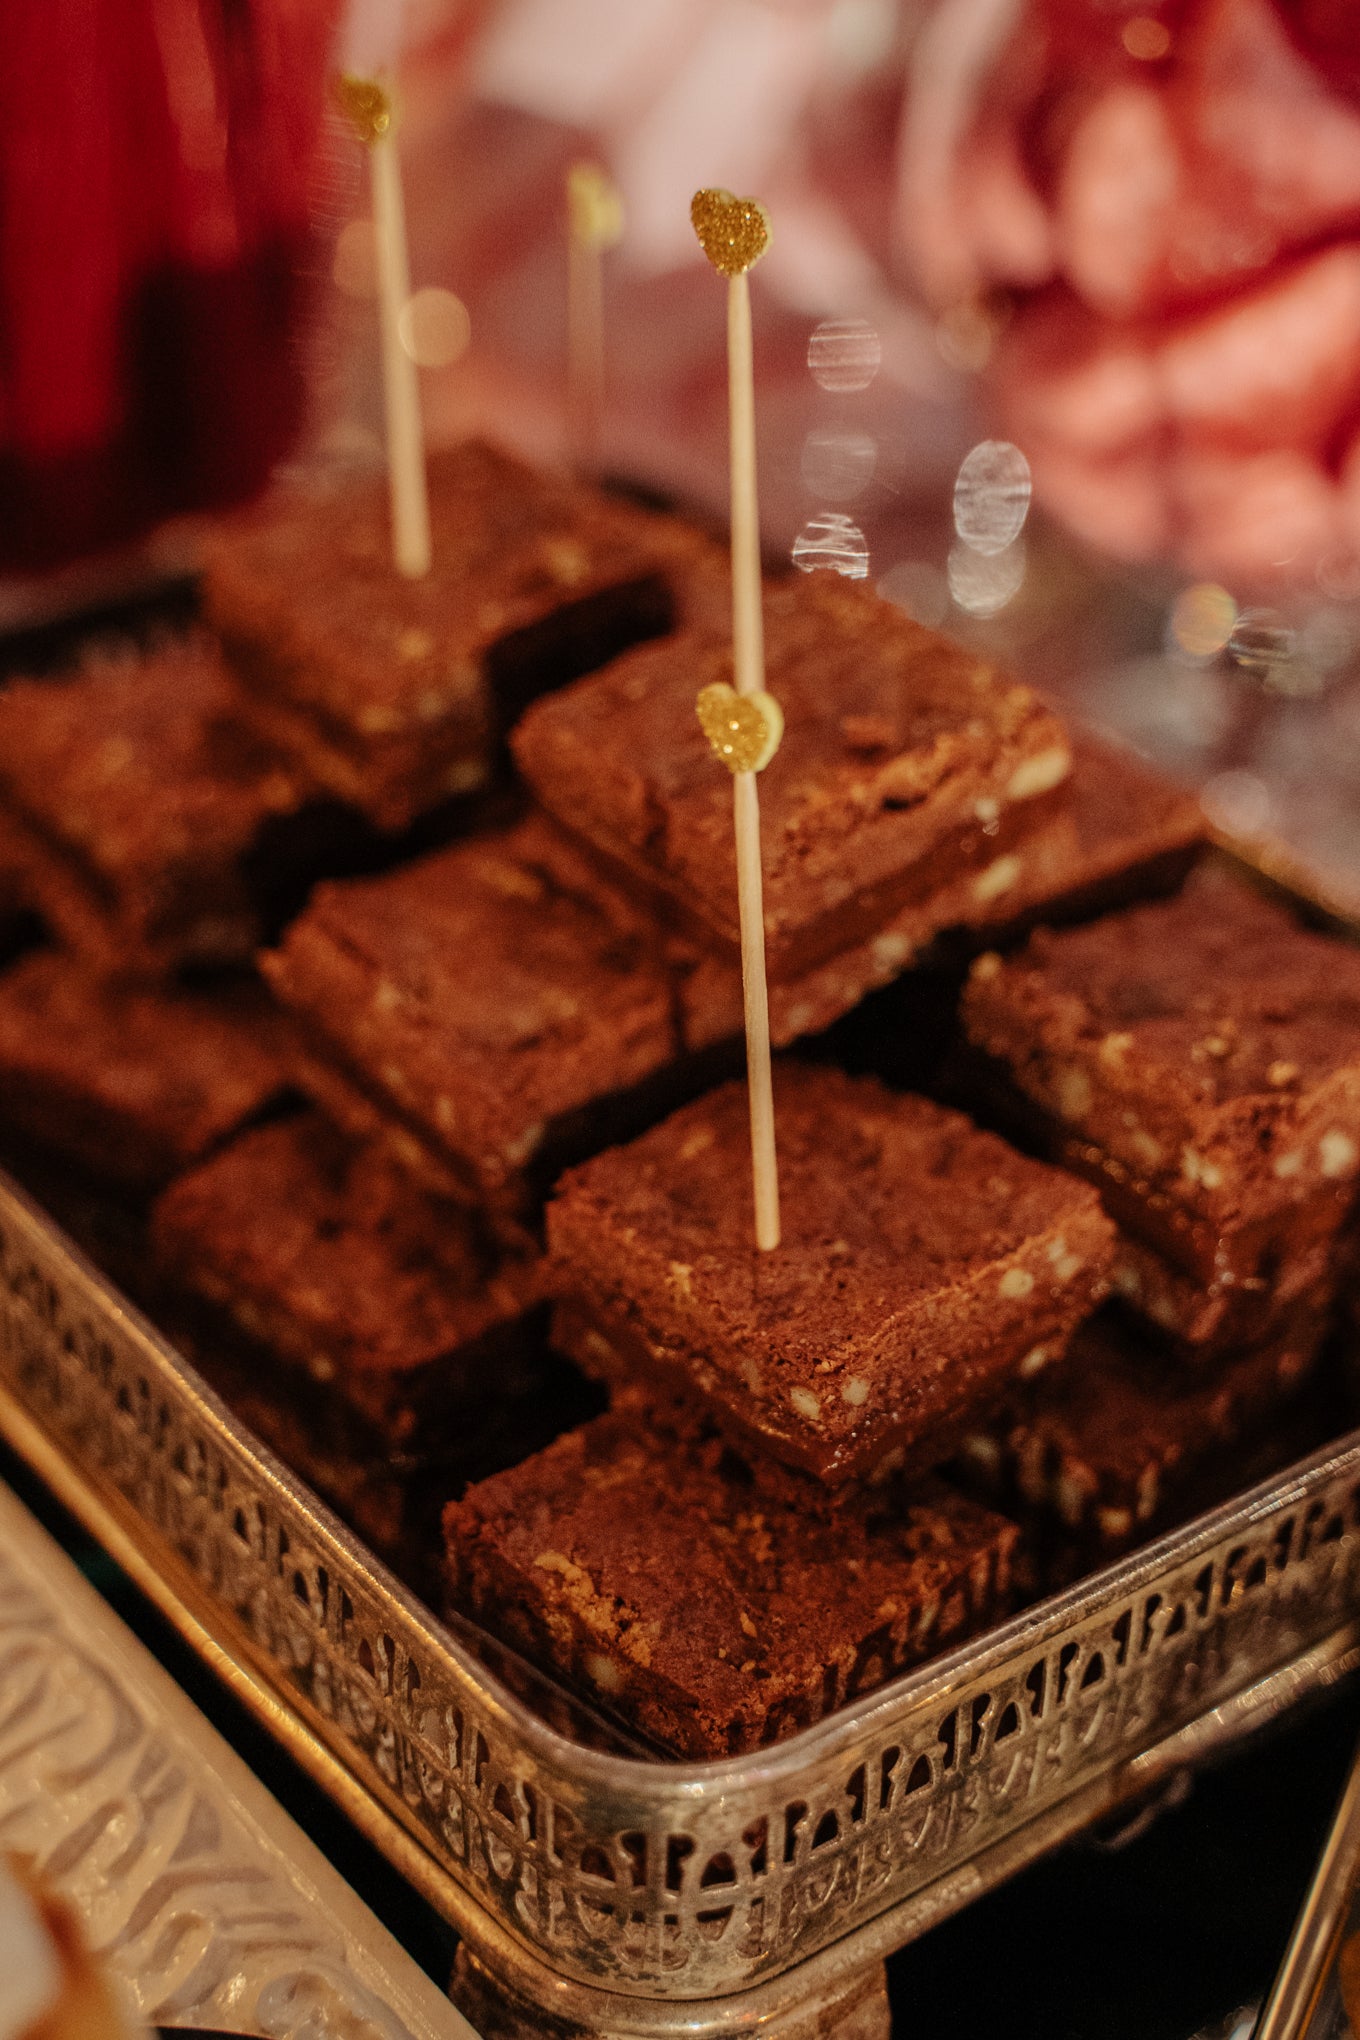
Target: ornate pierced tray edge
<point x="170" y="1589"/>
<point x="1248" y="1712"/>
<point x="779" y="1767"/>
<point x="622" y="1788"/>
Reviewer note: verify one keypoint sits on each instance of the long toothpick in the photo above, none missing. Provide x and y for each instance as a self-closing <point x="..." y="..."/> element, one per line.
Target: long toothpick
<point x="594" y="223"/>
<point x="369" y="106"/>
<point x="734" y="234"/>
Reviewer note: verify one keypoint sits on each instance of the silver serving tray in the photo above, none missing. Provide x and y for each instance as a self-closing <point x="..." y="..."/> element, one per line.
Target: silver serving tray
<point x="616" y="1893"/>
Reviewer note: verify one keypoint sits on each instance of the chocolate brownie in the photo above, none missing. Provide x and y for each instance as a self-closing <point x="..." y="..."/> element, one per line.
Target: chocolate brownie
<point x="365" y="1483"/>
<point x="372" y="1337"/>
<point x="1199" y="1319"/>
<point x="1199" y="1060"/>
<point x="389" y="692"/>
<point x="393" y="1496"/>
<point x="1121" y="832"/>
<point x="133" y="1084"/>
<point x="1125" y="833"/>
<point x="1109" y="1443"/>
<point x="922" y="1261"/>
<point x="136" y="798"/>
<point x="322" y="1251"/>
<point x="642" y="1567"/>
<point x="490" y="1012"/>
<point x="1260" y="1276"/>
<point x="905" y="762"/>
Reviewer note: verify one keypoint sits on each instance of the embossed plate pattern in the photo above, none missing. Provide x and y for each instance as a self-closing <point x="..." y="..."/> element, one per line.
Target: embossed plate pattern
<point x="209" y="1905"/>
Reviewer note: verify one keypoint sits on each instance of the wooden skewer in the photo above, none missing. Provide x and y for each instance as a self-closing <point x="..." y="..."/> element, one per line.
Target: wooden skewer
<point x="594" y="223"/>
<point x="369" y="106"/>
<point x="748" y="623"/>
<point x="734" y="233"/>
<point x="755" y="995"/>
<point x="748" y="672"/>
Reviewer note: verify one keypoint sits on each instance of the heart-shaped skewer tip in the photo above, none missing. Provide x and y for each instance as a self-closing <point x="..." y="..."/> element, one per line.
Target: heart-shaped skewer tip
<point x="733" y="232"/>
<point x="744" y="729"/>
<point x="366" y="105"/>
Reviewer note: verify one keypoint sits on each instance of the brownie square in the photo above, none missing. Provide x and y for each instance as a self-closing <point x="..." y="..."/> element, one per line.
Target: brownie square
<point x="132" y="1084"/>
<point x="1125" y="833"/>
<point x="642" y="1567"/>
<point x="389" y="692"/>
<point x="1107" y="1447"/>
<point x="367" y="1485"/>
<point x="905" y="761"/>
<point x="1200" y="1320"/>
<point x="374" y="1338"/>
<point x="507" y="1399"/>
<point x="136" y="798"/>
<point x="1199" y="1060"/>
<point x="1120" y="832"/>
<point x="390" y="1303"/>
<point x="490" y="1012"/>
<point x="921" y="1261"/>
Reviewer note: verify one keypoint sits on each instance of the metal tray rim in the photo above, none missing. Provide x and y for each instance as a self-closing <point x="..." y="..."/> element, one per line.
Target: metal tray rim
<point x="780" y="1765"/>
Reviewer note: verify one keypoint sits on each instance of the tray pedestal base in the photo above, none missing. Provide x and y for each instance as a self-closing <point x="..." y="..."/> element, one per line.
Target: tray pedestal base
<point x="851" y="2006"/>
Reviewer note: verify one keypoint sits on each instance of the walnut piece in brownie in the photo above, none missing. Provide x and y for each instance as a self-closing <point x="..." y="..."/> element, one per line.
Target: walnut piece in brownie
<point x="132" y="1083"/>
<point x="1199" y="1060"/>
<point x="643" y="1568"/>
<point x="390" y="1303"/>
<point x="490" y="1012"/>
<point x="135" y="796"/>
<point x="1106" y="1445"/>
<point x="389" y="692"/>
<point x="905" y="761"/>
<point x="922" y="1260"/>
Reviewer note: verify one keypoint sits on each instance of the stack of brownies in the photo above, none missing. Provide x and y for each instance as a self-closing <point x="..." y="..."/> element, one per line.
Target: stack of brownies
<point x="153" y="816"/>
<point x="163" y="814"/>
<point x="777" y="1417"/>
<point x="485" y="1068"/>
<point x="1198" y="1060"/>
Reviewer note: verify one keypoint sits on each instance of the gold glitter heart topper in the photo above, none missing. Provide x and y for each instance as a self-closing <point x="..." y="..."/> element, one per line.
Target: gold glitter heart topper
<point x="366" y="105"/>
<point x="733" y="232"/>
<point x="744" y="729"/>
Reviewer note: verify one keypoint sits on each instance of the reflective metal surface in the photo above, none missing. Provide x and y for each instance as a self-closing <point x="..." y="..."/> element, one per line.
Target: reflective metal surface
<point x="209" y="1906"/>
<point x="1317" y="1991"/>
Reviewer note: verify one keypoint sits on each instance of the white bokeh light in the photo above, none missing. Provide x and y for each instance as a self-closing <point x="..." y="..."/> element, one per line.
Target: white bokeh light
<point x="991" y="496"/>
<point x="844" y="355"/>
<point x="1238" y="803"/>
<point x="434" y="327"/>
<point x="832" y="541"/>
<point x="1262" y="642"/>
<point x="983" y="583"/>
